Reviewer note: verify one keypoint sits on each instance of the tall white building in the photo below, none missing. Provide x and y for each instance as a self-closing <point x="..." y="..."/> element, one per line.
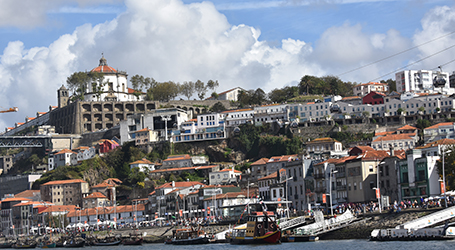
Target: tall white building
<point x="421" y="81"/>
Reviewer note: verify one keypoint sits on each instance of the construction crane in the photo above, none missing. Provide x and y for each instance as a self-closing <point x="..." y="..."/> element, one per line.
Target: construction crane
<point x="13" y="109"/>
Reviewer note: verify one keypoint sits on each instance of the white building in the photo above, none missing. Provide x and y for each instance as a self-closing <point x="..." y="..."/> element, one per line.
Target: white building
<point x="225" y="176"/>
<point x="443" y="130"/>
<point x="204" y="127"/>
<point x="271" y="113"/>
<point x="158" y="120"/>
<point x="64" y="157"/>
<point x="237" y="117"/>
<point x="144" y="165"/>
<point x="365" y="88"/>
<point x="114" y="86"/>
<point x="421" y="81"/>
<point x="230" y="95"/>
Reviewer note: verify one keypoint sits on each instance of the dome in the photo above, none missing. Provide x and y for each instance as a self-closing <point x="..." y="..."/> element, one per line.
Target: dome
<point x="103" y="67"/>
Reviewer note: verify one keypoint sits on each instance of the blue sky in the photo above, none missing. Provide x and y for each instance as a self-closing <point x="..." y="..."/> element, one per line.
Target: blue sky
<point x="252" y="44"/>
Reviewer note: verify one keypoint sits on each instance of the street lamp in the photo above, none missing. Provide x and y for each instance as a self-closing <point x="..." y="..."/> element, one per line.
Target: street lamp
<point x="444" y="175"/>
<point x="378" y="192"/>
<point x="165" y="118"/>
<point x="330" y="187"/>
<point x="287" y="194"/>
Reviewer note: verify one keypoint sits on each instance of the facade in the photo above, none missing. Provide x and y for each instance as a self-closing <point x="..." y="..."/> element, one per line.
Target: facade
<point x="421" y="81"/>
<point x="271" y="113"/>
<point x="177" y="161"/>
<point x="366" y="88"/>
<point x="394" y="142"/>
<point x="230" y="95"/>
<point x="108" y="215"/>
<point x="144" y="165"/>
<point x="95" y="199"/>
<point x="6" y="163"/>
<point x="206" y="170"/>
<point x="64" y="157"/>
<point x="259" y="169"/>
<point x="238" y="117"/>
<point x="206" y="127"/>
<point x="166" y="195"/>
<point x="7" y="216"/>
<point x="225" y="176"/>
<point x="158" y="120"/>
<point x="324" y="148"/>
<point x="13" y="184"/>
<point x="444" y="130"/>
<point x="66" y="192"/>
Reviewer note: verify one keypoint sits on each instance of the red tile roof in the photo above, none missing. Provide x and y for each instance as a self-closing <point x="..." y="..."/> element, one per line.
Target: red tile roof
<point x="64" y="182"/>
<point x="440" y="125"/>
<point x="178" y="157"/>
<point x="106" y="210"/>
<point x="64" y="151"/>
<point x="230" y="169"/>
<point x="407" y="127"/>
<point x="143" y="161"/>
<point x="15" y="199"/>
<point x="104" y="69"/>
<point x="261" y="161"/>
<point x="103" y="185"/>
<point x="270" y="176"/>
<point x="27" y="193"/>
<point x="437" y="143"/>
<point x="182" y="169"/>
<point x="393" y="138"/>
<point x="96" y="195"/>
<point x="59" y="208"/>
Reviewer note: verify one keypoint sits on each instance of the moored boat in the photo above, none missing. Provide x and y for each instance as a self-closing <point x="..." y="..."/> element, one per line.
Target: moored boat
<point x="260" y="228"/>
<point x="74" y="243"/>
<point x="133" y="242"/>
<point x="188" y="236"/>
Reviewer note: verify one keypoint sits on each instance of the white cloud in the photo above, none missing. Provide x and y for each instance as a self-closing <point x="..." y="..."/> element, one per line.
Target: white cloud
<point x="168" y="40"/>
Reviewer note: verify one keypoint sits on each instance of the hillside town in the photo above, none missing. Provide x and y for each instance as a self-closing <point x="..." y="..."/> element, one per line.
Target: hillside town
<point x="191" y="163"/>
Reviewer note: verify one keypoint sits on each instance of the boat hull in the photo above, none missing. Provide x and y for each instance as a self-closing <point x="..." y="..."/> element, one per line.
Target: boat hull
<point x="114" y="243"/>
<point x="78" y="244"/>
<point x="133" y="242"/>
<point x="195" y="241"/>
<point x="271" y="238"/>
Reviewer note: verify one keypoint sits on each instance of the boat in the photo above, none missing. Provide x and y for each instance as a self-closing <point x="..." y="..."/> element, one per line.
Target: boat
<point x="48" y="245"/>
<point x="74" y="243"/>
<point x="401" y="234"/>
<point x="188" y="236"/>
<point x="107" y="243"/>
<point x="24" y="245"/>
<point x="133" y="242"/>
<point x="260" y="228"/>
<point x="6" y="245"/>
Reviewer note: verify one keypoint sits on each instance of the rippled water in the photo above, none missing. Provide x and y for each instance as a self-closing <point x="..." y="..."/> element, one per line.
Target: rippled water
<point x="325" y="245"/>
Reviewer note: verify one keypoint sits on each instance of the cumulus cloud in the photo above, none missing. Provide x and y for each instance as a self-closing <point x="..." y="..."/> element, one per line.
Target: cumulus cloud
<point x="170" y="40"/>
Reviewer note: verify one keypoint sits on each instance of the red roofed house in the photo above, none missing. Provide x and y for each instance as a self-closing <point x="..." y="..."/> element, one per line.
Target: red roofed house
<point x="230" y="95"/>
<point x="177" y="161"/>
<point x="365" y="88"/>
<point x="65" y="192"/>
<point x="327" y="147"/>
<point x="64" y="157"/>
<point x="166" y="195"/>
<point x="144" y="165"/>
<point x="6" y="213"/>
<point x="107" y="145"/>
<point x="110" y="214"/>
<point x="225" y="176"/>
<point x="439" y="131"/>
<point x="107" y="190"/>
<point x="96" y="199"/>
<point x="259" y="169"/>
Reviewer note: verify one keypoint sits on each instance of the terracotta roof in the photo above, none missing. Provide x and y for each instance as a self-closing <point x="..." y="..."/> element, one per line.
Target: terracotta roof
<point x="230" y="169"/>
<point x="351" y="98"/>
<point x="143" y="130"/>
<point x="440" y="125"/>
<point x="331" y="160"/>
<point x="383" y="133"/>
<point x="270" y="176"/>
<point x="407" y="127"/>
<point x="373" y="155"/>
<point x="106" y="210"/>
<point x="236" y="110"/>
<point x="15" y="199"/>
<point x="64" y="151"/>
<point x="320" y="140"/>
<point x="393" y="138"/>
<point x="143" y="161"/>
<point x="27" y="193"/>
<point x="365" y="148"/>
<point x="152" y="193"/>
<point x="437" y="143"/>
<point x="104" y="69"/>
<point x="103" y="185"/>
<point x="64" y="182"/>
<point x="261" y="161"/>
<point x="180" y="184"/>
<point x="113" y="181"/>
<point x="96" y="195"/>
<point x="177" y="157"/>
<point x="28" y="203"/>
<point x="59" y="208"/>
<point x="282" y="158"/>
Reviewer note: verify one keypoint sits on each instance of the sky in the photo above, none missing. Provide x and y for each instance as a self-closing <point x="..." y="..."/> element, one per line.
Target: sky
<point x="252" y="44"/>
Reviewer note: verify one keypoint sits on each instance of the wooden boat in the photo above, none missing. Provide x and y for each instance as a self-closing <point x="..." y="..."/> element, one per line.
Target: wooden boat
<point x="107" y="243"/>
<point x="48" y="245"/>
<point x="133" y="242"/>
<point x="260" y="228"/>
<point x="74" y="243"/>
<point x="6" y="245"/>
<point x="188" y="236"/>
<point x="24" y="245"/>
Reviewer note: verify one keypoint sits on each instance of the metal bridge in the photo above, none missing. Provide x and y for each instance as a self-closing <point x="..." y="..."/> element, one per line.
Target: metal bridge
<point x="25" y="142"/>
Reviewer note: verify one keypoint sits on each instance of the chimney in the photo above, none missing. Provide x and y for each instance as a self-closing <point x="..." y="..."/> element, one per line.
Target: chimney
<point x="173" y="183"/>
<point x="392" y="152"/>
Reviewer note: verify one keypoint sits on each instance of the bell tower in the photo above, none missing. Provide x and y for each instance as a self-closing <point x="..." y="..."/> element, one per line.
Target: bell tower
<point x="62" y="96"/>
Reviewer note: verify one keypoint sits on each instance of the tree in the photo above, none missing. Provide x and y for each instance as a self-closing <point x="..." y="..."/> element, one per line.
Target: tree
<point x="215" y="96"/>
<point x="187" y="89"/>
<point x="218" y="107"/>
<point x="449" y="166"/>
<point x="200" y="88"/>
<point x="165" y="91"/>
<point x="78" y="83"/>
<point x="141" y="83"/>
<point x="258" y="97"/>
<point x="391" y="83"/>
<point x="213" y="85"/>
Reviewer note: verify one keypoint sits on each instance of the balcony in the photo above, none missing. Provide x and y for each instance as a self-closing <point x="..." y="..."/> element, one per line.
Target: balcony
<point x="341" y="187"/>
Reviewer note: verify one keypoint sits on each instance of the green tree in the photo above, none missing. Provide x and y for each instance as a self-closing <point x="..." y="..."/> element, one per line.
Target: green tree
<point x="187" y="89"/>
<point x="218" y="107"/>
<point x="449" y="167"/>
<point x="78" y="83"/>
<point x="200" y="88"/>
<point x="391" y="83"/>
<point x="213" y="85"/>
<point x="141" y="83"/>
<point x="166" y="91"/>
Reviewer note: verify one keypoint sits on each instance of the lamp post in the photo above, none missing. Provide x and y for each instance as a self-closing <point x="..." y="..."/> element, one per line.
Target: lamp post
<point x="165" y="118"/>
<point x="287" y="195"/>
<point x="444" y="175"/>
<point x="378" y="188"/>
<point x="330" y="191"/>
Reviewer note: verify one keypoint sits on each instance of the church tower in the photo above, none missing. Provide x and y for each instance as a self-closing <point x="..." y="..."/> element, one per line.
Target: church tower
<point x="62" y="96"/>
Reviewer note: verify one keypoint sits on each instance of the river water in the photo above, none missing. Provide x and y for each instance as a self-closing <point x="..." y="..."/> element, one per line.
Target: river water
<point x="325" y="245"/>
